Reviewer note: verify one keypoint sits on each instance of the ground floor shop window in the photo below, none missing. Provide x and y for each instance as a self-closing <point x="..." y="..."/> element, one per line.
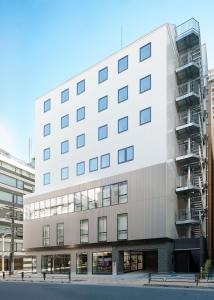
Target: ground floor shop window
<point x="55" y="263"/>
<point x="102" y="263"/>
<point x="82" y="263"/>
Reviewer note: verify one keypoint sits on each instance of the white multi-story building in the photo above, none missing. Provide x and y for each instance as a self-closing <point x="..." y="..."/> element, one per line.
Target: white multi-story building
<point x="120" y="166"/>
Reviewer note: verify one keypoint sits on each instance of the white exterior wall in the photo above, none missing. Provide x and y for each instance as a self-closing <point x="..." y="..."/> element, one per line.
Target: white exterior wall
<point x="149" y="140"/>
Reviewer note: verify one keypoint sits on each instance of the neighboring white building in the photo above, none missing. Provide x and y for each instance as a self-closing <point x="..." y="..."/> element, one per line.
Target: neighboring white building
<point x="115" y="163"/>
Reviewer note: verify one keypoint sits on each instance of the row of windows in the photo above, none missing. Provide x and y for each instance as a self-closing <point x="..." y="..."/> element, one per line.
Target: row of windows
<point x="108" y="195"/>
<point x="145" y="52"/>
<point x="144" y="116"/>
<point x="122" y="230"/>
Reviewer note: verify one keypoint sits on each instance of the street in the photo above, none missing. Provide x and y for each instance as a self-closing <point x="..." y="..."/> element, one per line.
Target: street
<point x="36" y="291"/>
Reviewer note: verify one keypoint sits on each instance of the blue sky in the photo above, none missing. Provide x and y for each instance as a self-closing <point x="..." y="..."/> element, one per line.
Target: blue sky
<point x="44" y="42"/>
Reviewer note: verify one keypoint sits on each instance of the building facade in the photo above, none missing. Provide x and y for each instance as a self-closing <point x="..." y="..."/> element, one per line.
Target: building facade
<point x="16" y="180"/>
<point x="121" y="161"/>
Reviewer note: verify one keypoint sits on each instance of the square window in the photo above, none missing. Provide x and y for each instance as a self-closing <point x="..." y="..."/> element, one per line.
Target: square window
<point x="103" y="103"/>
<point x="145" y="116"/>
<point x="125" y="154"/>
<point x="123" y="64"/>
<point x="80" y="113"/>
<point x="93" y="164"/>
<point x="64" y="95"/>
<point x="81" y="87"/>
<point x="105" y="161"/>
<point x="64" y="173"/>
<point x="122" y="124"/>
<point x="103" y="75"/>
<point x="145" y="84"/>
<point x="122" y="94"/>
<point x="64" y="147"/>
<point x="145" y="52"/>
<point x="80" y="141"/>
<point x="64" y="121"/>
<point x="103" y="132"/>
<point x="80" y="168"/>
<point x="47" y="129"/>
<point x="47" y="105"/>
<point x="46" y="154"/>
<point x="46" y="178"/>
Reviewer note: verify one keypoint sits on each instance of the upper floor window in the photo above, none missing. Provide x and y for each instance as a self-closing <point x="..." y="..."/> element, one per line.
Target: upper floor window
<point x="46" y="235"/>
<point x="102" y="229"/>
<point x="122" y="124"/>
<point x="145" y="116"/>
<point x="64" y="147"/>
<point x="122" y="227"/>
<point x="123" y="64"/>
<point x="84" y="231"/>
<point x="64" y="95"/>
<point x="103" y="132"/>
<point x="145" y="84"/>
<point x="123" y="94"/>
<point x="46" y="178"/>
<point x="64" y="173"/>
<point x="145" y="52"/>
<point x="125" y="154"/>
<point x="80" y="141"/>
<point x="103" y="103"/>
<point x="103" y="75"/>
<point x="47" y="129"/>
<point x="80" y="168"/>
<point x="60" y="234"/>
<point x="93" y="164"/>
<point x="80" y="113"/>
<point x="46" y="153"/>
<point x="47" y="105"/>
<point x="105" y="161"/>
<point x="81" y="87"/>
<point x="65" y="121"/>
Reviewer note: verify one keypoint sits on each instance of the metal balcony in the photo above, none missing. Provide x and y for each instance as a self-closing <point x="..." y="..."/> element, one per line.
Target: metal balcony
<point x="188" y="216"/>
<point x="188" y="124"/>
<point x="188" y="153"/>
<point x="188" y="186"/>
<point x="188" y="35"/>
<point x="188" y="94"/>
<point x="188" y="69"/>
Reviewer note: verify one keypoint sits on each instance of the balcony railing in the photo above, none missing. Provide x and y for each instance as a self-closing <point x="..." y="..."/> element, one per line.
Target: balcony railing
<point x="189" y="87"/>
<point x="188" y="214"/>
<point x="185" y="181"/>
<point x="186" y="59"/>
<point x="185" y="118"/>
<point x="190" y="25"/>
<point x="188" y="148"/>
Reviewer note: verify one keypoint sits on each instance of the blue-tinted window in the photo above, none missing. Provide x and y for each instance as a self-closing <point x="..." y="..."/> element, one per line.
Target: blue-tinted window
<point x="47" y="105"/>
<point x="47" y="129"/>
<point x="145" y="52"/>
<point x="123" y="94"/>
<point x="64" y="173"/>
<point x="145" y="116"/>
<point x="105" y="161"/>
<point x="65" y="121"/>
<point x="145" y="84"/>
<point x="103" y="75"/>
<point x="46" y="153"/>
<point x="64" y="147"/>
<point x="64" y="95"/>
<point x="103" y="132"/>
<point x="80" y="140"/>
<point x="93" y="164"/>
<point x="122" y="124"/>
<point x="80" y="113"/>
<point x="123" y="64"/>
<point x="81" y="87"/>
<point x="46" y="178"/>
<point x="125" y="154"/>
<point x="80" y="168"/>
<point x="103" y="103"/>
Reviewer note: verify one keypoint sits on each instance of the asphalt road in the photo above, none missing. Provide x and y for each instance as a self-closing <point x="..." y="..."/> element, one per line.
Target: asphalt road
<point x="44" y="291"/>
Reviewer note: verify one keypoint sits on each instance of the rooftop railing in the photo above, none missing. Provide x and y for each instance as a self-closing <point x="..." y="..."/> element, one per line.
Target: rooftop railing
<point x="190" y="25"/>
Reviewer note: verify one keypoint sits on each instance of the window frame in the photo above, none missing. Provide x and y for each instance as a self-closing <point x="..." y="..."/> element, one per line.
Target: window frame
<point x="78" y="111"/>
<point x="100" y="128"/>
<point x="99" y="75"/>
<point x="99" y="101"/>
<point x="118" y="215"/>
<point x="48" y="125"/>
<point x="150" y="114"/>
<point x="67" y="170"/>
<point x="90" y="161"/>
<point x="63" y="92"/>
<point x="78" y="164"/>
<point x="45" y="239"/>
<point x="44" y="175"/>
<point x="81" y="242"/>
<point x="67" y="143"/>
<point x="49" y="153"/>
<point x="48" y="101"/>
<point x="58" y="242"/>
<point x="65" y="117"/>
<point x="118" y="94"/>
<point x="119" y="61"/>
<point x="78" y="85"/>
<point x="125" y="149"/>
<point x="118" y="124"/>
<point x="102" y="232"/>
<point x="77" y="138"/>
<point x="150" y="51"/>
<point x="150" y="86"/>
<point x="101" y="157"/>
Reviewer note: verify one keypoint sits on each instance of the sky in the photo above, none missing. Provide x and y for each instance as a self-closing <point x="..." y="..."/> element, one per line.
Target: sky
<point x="45" y="42"/>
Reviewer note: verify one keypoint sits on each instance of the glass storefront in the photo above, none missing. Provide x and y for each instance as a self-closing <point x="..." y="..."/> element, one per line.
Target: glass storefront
<point x="55" y="263"/>
<point x="102" y="263"/>
<point x="82" y="263"/>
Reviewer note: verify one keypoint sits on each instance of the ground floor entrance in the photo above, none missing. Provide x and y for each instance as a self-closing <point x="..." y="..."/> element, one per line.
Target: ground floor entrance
<point x="140" y="261"/>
